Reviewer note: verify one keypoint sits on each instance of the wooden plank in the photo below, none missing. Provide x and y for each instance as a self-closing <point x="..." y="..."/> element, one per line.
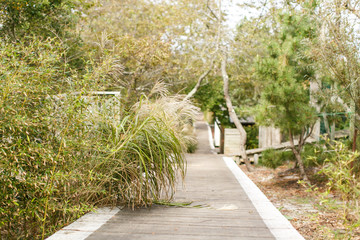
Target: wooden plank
<point x="180" y="229"/>
<point x="179" y="236"/>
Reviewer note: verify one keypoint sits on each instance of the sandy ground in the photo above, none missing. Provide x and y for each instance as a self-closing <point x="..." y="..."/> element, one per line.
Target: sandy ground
<point x="305" y="208"/>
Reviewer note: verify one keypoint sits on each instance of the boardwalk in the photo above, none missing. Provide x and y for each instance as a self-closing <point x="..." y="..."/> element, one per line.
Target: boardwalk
<point x="220" y="207"/>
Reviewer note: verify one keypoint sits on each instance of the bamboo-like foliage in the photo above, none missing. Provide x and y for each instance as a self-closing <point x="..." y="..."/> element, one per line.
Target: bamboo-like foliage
<point x="64" y="150"/>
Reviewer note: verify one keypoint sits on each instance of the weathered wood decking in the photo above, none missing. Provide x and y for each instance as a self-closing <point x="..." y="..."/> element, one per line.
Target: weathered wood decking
<point x="220" y="207"/>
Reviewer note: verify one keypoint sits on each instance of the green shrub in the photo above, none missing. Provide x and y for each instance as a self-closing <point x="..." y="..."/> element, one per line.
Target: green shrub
<point x="63" y="154"/>
<point x="312" y="155"/>
<point x="191" y="148"/>
<point x="340" y="168"/>
<point x="272" y="158"/>
<point x="38" y="157"/>
<point x="252" y="140"/>
<point x="315" y="154"/>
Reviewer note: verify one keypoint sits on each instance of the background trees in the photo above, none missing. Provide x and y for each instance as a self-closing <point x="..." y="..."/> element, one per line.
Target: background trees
<point x="336" y="53"/>
<point x="47" y="18"/>
<point x="152" y="42"/>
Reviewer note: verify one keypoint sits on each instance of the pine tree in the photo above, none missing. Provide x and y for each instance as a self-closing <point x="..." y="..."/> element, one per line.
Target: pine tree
<point x="286" y="74"/>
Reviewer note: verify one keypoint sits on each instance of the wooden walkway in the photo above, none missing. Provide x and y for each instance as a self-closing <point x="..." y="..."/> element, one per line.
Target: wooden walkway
<point x="220" y="207"/>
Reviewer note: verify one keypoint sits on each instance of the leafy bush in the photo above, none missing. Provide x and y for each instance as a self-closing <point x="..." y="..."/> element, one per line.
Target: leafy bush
<point x="272" y="158"/>
<point x="312" y="155"/>
<point x="210" y="97"/>
<point x="315" y="154"/>
<point x="36" y="157"/>
<point x="252" y="140"/>
<point x="63" y="154"/>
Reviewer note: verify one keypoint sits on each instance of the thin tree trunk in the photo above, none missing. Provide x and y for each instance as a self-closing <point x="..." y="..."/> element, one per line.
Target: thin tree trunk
<point x="201" y="78"/>
<point x="332" y="131"/>
<point x="222" y="137"/>
<point x="298" y="156"/>
<point x="326" y="123"/>
<point x="233" y="115"/>
<point x="354" y="140"/>
<point x="352" y="120"/>
<point x="353" y="148"/>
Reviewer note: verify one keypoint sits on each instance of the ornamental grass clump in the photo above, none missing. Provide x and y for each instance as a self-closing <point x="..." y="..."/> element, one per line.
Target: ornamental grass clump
<point x="143" y="154"/>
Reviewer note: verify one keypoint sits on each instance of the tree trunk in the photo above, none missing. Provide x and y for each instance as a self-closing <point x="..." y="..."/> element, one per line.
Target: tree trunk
<point x="201" y="78"/>
<point x="326" y="123"/>
<point x="298" y="156"/>
<point x="353" y="149"/>
<point x="354" y="140"/>
<point x="233" y="115"/>
<point x="352" y="120"/>
<point x="222" y="137"/>
<point x="332" y="131"/>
